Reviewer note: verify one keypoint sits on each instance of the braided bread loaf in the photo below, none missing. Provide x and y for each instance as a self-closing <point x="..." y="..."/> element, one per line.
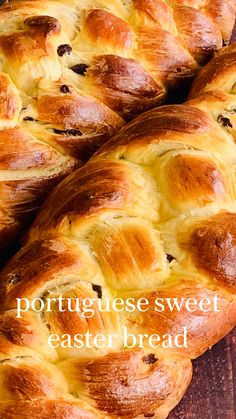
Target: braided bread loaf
<point x="152" y="215"/>
<point x="74" y="71"/>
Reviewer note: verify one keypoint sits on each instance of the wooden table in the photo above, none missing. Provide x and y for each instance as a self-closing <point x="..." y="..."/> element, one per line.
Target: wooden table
<point x="212" y="393"/>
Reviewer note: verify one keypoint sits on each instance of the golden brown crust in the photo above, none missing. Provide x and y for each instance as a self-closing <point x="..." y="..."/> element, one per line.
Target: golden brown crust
<point x="194" y="176"/>
<point x="9" y="102"/>
<point x="40" y="144"/>
<point x="191" y="24"/>
<point x="103" y="27"/>
<point x="124" y="85"/>
<point x="15" y="330"/>
<point x="205" y="328"/>
<point x="52" y="256"/>
<point x="44" y="409"/>
<point x="213" y="248"/>
<point x="24" y="151"/>
<point x="222" y="12"/>
<point x="219" y="72"/>
<point x="173" y="67"/>
<point x="168" y="127"/>
<point x="28" y="383"/>
<point x="21" y="198"/>
<point x="96" y="189"/>
<point x="78" y="111"/>
<point x="109" y="380"/>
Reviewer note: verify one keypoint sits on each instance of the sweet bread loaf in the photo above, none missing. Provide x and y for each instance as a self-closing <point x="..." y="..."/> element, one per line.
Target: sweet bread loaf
<point x="73" y="71"/>
<point x="152" y="214"/>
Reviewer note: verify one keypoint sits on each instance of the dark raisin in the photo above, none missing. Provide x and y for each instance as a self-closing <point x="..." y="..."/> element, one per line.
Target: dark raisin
<point x="64" y="49"/>
<point x="124" y="382"/>
<point x="98" y="290"/>
<point x="149" y="415"/>
<point x="64" y="89"/>
<point x="219" y="243"/>
<point x="80" y="69"/>
<point x="122" y="157"/>
<point x="28" y="118"/>
<point x="14" y="279"/>
<point x="72" y="132"/>
<point x="48" y="23"/>
<point x="150" y="359"/>
<point x="170" y="258"/>
<point x="225" y="122"/>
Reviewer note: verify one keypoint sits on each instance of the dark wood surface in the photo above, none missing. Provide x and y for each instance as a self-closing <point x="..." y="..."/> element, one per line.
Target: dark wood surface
<point x="212" y="393"/>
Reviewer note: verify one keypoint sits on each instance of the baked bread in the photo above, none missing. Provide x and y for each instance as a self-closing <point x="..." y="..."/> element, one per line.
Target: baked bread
<point x="73" y="71"/>
<point x="152" y="214"/>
